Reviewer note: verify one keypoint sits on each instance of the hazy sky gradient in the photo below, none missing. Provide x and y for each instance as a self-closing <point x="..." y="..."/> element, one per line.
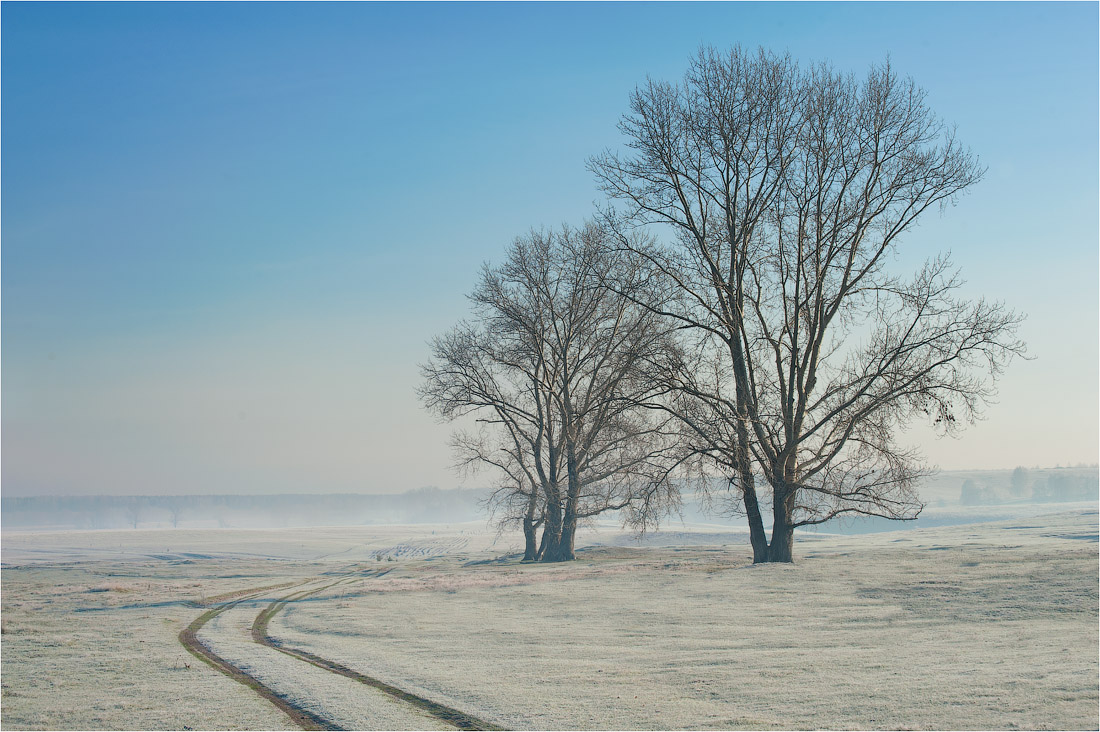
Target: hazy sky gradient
<point x="229" y="230"/>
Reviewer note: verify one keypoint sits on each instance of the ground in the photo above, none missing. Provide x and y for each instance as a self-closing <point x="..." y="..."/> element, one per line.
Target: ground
<point x="990" y="625"/>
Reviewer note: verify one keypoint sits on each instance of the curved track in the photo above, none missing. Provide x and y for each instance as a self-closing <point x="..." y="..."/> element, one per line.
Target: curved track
<point x="301" y="717"/>
<point x="298" y="713"/>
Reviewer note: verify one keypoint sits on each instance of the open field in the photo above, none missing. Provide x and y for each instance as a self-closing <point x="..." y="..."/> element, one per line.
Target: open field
<point x="990" y="625"/>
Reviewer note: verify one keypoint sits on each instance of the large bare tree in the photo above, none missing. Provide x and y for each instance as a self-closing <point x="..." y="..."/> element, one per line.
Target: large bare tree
<point x="785" y="192"/>
<point x="557" y="368"/>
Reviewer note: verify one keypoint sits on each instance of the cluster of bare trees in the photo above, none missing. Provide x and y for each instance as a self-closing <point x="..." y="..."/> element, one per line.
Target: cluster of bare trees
<point x="735" y="315"/>
<point x="560" y="369"/>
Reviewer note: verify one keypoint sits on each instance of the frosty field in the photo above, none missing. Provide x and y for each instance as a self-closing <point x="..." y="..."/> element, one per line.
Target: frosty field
<point x="977" y="626"/>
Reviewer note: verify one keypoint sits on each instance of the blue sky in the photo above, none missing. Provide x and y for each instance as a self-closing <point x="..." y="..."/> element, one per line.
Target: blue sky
<point x="229" y="230"/>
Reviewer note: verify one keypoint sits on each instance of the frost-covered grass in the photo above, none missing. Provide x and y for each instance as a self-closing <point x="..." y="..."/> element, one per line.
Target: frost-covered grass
<point x="94" y="646"/>
<point x="977" y="626"/>
<point x="310" y="544"/>
<point x="345" y="702"/>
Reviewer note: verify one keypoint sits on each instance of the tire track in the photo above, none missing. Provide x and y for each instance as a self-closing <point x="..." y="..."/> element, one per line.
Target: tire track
<point x="454" y="717"/>
<point x="299" y="715"/>
<point x="189" y="639"/>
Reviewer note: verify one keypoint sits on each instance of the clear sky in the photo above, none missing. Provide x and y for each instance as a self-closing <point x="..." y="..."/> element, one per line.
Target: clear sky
<point x="229" y="230"/>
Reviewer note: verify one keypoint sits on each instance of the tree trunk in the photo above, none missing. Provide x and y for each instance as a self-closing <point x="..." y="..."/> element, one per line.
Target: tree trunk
<point x="782" y="545"/>
<point x="568" y="533"/>
<point x="542" y="546"/>
<point x="530" y="527"/>
<point x="530" y="540"/>
<point x="562" y="549"/>
<point x="551" y="532"/>
<point x="757" y="536"/>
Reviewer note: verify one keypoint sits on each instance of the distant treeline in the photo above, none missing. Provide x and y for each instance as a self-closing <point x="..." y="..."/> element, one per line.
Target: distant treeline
<point x="423" y="505"/>
<point x="433" y="505"/>
<point x="1034" y="486"/>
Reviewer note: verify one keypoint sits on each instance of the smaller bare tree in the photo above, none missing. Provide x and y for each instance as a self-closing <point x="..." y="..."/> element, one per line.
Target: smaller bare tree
<point x="558" y="365"/>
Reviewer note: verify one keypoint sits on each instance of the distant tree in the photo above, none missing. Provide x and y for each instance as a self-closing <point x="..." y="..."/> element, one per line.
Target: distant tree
<point x="176" y="505"/>
<point x="971" y="494"/>
<point x="1019" y="482"/>
<point x="1041" y="490"/>
<point x="134" y="511"/>
<point x="558" y="367"/>
<point x="785" y="192"/>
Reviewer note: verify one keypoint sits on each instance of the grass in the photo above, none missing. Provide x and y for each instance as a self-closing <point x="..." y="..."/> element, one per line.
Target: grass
<point x="968" y="627"/>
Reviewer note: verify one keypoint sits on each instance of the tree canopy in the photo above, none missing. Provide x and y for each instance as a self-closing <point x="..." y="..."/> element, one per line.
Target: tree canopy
<point x="784" y="192"/>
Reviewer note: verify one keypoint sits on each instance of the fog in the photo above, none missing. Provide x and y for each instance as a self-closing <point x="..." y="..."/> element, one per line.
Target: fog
<point x="952" y="497"/>
<point x="425" y="505"/>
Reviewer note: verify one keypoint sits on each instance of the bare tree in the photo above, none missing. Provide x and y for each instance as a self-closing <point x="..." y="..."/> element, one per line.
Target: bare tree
<point x="134" y="511"/>
<point x="785" y="192"/>
<point x="176" y="505"/>
<point x="556" y="366"/>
